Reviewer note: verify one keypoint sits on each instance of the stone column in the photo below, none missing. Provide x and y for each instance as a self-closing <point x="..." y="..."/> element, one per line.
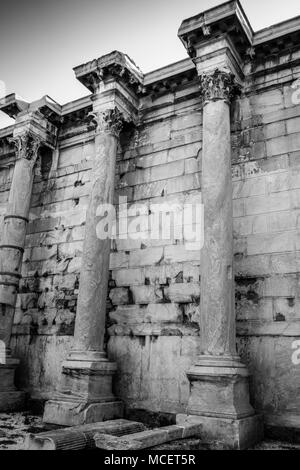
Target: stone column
<point x="91" y="310"/>
<point x="11" y="255"/>
<point x="87" y="374"/>
<point x="217" y="290"/>
<point x="219" y="397"/>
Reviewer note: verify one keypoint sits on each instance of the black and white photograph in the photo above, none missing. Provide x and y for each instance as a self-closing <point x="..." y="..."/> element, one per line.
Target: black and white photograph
<point x="149" y="228"/>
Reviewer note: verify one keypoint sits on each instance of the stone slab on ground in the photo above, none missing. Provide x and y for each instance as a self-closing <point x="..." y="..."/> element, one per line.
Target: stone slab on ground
<point x="147" y="439"/>
<point x="16" y="426"/>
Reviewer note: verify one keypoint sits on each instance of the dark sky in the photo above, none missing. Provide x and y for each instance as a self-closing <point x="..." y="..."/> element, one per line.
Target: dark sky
<point x="42" y="40"/>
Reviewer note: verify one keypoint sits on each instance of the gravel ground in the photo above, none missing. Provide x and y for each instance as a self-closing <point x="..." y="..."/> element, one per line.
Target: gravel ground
<point x="14" y="428"/>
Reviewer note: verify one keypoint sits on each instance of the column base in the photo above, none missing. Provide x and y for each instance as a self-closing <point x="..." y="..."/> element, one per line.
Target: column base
<point x="10" y="398"/>
<point x="68" y="413"/>
<point x="223" y="434"/>
<point x="86" y="392"/>
<point x="219" y="388"/>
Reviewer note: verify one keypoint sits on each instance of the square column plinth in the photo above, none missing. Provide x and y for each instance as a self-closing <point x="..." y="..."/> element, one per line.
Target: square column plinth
<point x="10" y="398"/>
<point x="219" y="388"/>
<point x="219" y="401"/>
<point x="86" y="395"/>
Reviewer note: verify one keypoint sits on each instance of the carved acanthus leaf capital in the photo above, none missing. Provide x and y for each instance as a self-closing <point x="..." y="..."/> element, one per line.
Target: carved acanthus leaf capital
<point x="27" y="146"/>
<point x="219" y="85"/>
<point x="109" y="121"/>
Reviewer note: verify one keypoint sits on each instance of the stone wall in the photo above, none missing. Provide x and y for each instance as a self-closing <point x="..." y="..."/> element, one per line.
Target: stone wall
<point x="266" y="175"/>
<point x="153" y="305"/>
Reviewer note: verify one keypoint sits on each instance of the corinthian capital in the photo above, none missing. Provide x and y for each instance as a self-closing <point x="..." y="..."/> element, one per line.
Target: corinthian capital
<point x="27" y="146"/>
<point x="219" y="85"/>
<point x="109" y="121"/>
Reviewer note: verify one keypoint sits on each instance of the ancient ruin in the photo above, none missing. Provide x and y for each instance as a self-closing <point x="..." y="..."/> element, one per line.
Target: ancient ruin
<point x="96" y="328"/>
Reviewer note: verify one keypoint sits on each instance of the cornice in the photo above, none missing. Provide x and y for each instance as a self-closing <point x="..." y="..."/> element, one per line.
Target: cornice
<point x="228" y="18"/>
<point x="12" y="105"/>
<point x="117" y="66"/>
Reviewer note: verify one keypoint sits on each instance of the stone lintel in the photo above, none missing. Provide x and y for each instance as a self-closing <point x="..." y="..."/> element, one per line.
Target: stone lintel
<point x="115" y="66"/>
<point x="227" y="18"/>
<point x="12" y="105"/>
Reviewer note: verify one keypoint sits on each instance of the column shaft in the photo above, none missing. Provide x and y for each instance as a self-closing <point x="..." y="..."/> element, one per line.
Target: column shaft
<point x="91" y="310"/>
<point x="14" y="227"/>
<point x="14" y="231"/>
<point x="217" y="303"/>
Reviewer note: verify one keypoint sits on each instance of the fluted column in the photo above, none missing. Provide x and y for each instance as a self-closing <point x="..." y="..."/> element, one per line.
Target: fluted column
<point x="11" y="255"/>
<point x="86" y="388"/>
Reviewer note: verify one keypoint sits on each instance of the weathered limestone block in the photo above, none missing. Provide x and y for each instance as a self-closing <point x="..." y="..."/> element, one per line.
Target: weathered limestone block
<point x="143" y="295"/>
<point x="186" y="121"/>
<point x="152" y="174"/>
<point x="286" y="309"/>
<point x="119" y="260"/>
<point x="272" y="203"/>
<point x="254" y="308"/>
<point x="282" y="145"/>
<point x="192" y="314"/>
<point x="119" y="296"/>
<point x="267" y="102"/>
<point x="74" y="155"/>
<point x="74" y="265"/>
<point x="272" y="243"/>
<point x="129" y="277"/>
<point x="153" y="313"/>
<point x="251" y="187"/>
<point x="191" y="166"/>
<point x="167" y="187"/>
<point x="183" y="293"/>
<point x="146" y="257"/>
<point x="179" y="253"/>
<point x="275" y="129"/>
